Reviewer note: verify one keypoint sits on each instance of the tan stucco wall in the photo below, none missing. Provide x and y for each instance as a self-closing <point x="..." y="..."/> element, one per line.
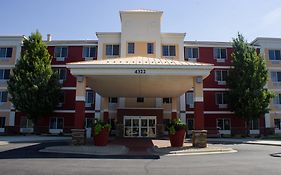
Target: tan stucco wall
<point x="198" y="88"/>
<point x="132" y="103"/>
<point x="81" y="88"/>
<point x="9" y="61"/>
<point x="268" y="62"/>
<point x="5" y="105"/>
<point x="141" y="49"/>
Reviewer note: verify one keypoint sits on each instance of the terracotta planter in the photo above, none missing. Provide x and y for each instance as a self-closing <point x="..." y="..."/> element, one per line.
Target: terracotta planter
<point x="178" y="138"/>
<point x="102" y="138"/>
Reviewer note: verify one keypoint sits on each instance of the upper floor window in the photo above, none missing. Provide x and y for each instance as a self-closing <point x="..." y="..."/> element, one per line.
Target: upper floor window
<point x="140" y="100"/>
<point x="167" y="100"/>
<point x="3" y="96"/>
<point x="254" y="124"/>
<point x="277" y="99"/>
<point x="189" y="99"/>
<point x="274" y="54"/>
<point x="112" y="50"/>
<point x="221" y="99"/>
<point x="223" y="124"/>
<point x="169" y="50"/>
<point x="220" y="54"/>
<point x="89" y="52"/>
<point x="221" y="76"/>
<point x="89" y="98"/>
<point x="131" y="48"/>
<point x="113" y="99"/>
<point x="276" y="77"/>
<point x="60" y="53"/>
<point x="6" y="52"/>
<point x="4" y="74"/>
<point x="61" y="73"/>
<point x="150" y="48"/>
<point x="61" y="99"/>
<point x="190" y="53"/>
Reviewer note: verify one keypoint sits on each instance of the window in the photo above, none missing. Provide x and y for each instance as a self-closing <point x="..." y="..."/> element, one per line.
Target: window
<point x="190" y="53"/>
<point x="89" y="52"/>
<point x="169" y="50"/>
<point x="221" y="76"/>
<point x="61" y="99"/>
<point x="254" y="124"/>
<point x="190" y="124"/>
<point x="220" y="53"/>
<point x="276" y="77"/>
<point x="3" y="96"/>
<point x="277" y="123"/>
<point x="89" y="98"/>
<point x="6" y="52"/>
<point x="113" y="99"/>
<point x="61" y="73"/>
<point x="167" y="100"/>
<point x="4" y="74"/>
<point x="60" y="52"/>
<point x="223" y="124"/>
<point x="25" y="122"/>
<point x="2" y="122"/>
<point x="140" y="99"/>
<point x="56" y="123"/>
<point x="150" y="48"/>
<point x="274" y="55"/>
<point x="277" y="99"/>
<point x="189" y="99"/>
<point x="112" y="50"/>
<point x="131" y="48"/>
<point x="89" y="122"/>
<point x="221" y="99"/>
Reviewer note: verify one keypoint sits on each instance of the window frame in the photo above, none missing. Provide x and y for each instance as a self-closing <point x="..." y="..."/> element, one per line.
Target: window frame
<point x="112" y="50"/>
<point x="223" y="123"/>
<point x="274" y="54"/>
<point x="150" y="48"/>
<point x="2" y="77"/>
<point x="167" y="100"/>
<point x="224" y="99"/>
<point x="88" y="103"/>
<point x="219" y="75"/>
<point x="113" y="100"/>
<point x="169" y="51"/>
<point x="131" y="48"/>
<point x="277" y="99"/>
<point x="277" y="121"/>
<point x="6" y="52"/>
<point x="140" y="99"/>
<point x="220" y="58"/>
<point x="188" y="100"/>
<point x="186" y="53"/>
<point x="89" y="52"/>
<point x="2" y="122"/>
<point x="1" y="97"/>
<point x="61" y="52"/>
<point x="56" y="123"/>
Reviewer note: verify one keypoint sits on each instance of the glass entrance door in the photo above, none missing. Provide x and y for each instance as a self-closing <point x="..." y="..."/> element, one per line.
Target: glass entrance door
<point x="139" y="126"/>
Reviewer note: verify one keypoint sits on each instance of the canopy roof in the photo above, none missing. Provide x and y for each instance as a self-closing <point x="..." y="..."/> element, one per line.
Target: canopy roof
<point x="140" y="76"/>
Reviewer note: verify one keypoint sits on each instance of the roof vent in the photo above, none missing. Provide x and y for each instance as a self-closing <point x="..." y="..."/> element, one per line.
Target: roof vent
<point x="49" y="37"/>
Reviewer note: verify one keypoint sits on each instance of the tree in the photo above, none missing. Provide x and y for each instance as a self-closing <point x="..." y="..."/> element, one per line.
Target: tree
<point x="248" y="97"/>
<point x="33" y="86"/>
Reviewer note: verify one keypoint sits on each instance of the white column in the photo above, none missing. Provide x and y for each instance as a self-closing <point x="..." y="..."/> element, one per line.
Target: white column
<point x="98" y="106"/>
<point x="158" y="102"/>
<point x="267" y="120"/>
<point x="182" y="108"/>
<point x="121" y="102"/>
<point x="12" y="118"/>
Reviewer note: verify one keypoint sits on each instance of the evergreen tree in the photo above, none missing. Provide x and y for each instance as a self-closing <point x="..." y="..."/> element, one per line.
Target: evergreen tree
<point x="33" y="86"/>
<point x="248" y="97"/>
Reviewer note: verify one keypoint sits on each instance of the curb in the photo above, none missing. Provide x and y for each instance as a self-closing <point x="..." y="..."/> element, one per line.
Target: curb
<point x="243" y="142"/>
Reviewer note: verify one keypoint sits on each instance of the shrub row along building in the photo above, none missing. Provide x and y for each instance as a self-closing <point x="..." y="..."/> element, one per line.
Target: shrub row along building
<point x="139" y="79"/>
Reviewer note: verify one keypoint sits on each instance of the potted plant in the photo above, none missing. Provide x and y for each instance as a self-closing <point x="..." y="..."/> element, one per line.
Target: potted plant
<point x="177" y="132"/>
<point x="101" y="133"/>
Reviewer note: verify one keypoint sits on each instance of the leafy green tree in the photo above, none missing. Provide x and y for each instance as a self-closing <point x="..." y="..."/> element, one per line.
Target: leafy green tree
<point x="248" y="96"/>
<point x="33" y="86"/>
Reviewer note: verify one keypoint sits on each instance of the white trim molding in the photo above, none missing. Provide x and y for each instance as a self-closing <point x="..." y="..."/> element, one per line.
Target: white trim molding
<point x="218" y="112"/>
<point x="80" y="98"/>
<point x="216" y="89"/>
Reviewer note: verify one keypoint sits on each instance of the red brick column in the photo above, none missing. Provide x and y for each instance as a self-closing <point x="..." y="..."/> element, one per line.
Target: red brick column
<point x="262" y="125"/>
<point x="174" y="115"/>
<point x="199" y="115"/>
<point x="106" y="117"/>
<point x="80" y="102"/>
<point x="198" y="103"/>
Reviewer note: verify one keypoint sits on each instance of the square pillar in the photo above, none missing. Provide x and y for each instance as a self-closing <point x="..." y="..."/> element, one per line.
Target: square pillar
<point x="174" y="108"/>
<point x="198" y="103"/>
<point x="80" y="102"/>
<point x="262" y="125"/>
<point x="105" y="109"/>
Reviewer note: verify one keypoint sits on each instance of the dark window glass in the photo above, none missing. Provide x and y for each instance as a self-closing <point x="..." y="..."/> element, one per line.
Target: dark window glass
<point x="277" y="123"/>
<point x="131" y="48"/>
<point x="90" y="96"/>
<point x="113" y="99"/>
<point x="9" y="52"/>
<point x="140" y="99"/>
<point x="115" y="50"/>
<point x="271" y="54"/>
<point x="109" y="50"/>
<point x="172" y="51"/>
<point x="2" y="122"/>
<point x="165" y="50"/>
<point x="6" y="74"/>
<point x="4" y="96"/>
<point x="167" y="100"/>
<point x="223" y="53"/>
<point x="277" y="55"/>
<point x="190" y="124"/>
<point x="150" y="48"/>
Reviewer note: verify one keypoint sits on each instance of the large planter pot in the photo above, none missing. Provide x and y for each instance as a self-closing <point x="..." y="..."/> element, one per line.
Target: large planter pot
<point x="178" y="138"/>
<point x="102" y="138"/>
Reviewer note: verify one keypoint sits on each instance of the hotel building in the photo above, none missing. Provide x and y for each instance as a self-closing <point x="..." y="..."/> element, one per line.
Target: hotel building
<point x="139" y="79"/>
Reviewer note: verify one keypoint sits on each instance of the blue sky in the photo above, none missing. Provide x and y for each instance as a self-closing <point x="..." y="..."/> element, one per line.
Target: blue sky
<point x="207" y="20"/>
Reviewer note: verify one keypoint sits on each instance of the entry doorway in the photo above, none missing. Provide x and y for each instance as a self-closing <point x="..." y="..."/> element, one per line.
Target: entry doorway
<point x="140" y="126"/>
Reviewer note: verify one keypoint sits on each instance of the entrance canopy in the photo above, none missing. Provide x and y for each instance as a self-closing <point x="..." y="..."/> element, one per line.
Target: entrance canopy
<point x="140" y="76"/>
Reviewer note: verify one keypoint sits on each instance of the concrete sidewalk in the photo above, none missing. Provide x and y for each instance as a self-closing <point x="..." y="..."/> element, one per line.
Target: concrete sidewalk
<point x="246" y="141"/>
<point x="32" y="138"/>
